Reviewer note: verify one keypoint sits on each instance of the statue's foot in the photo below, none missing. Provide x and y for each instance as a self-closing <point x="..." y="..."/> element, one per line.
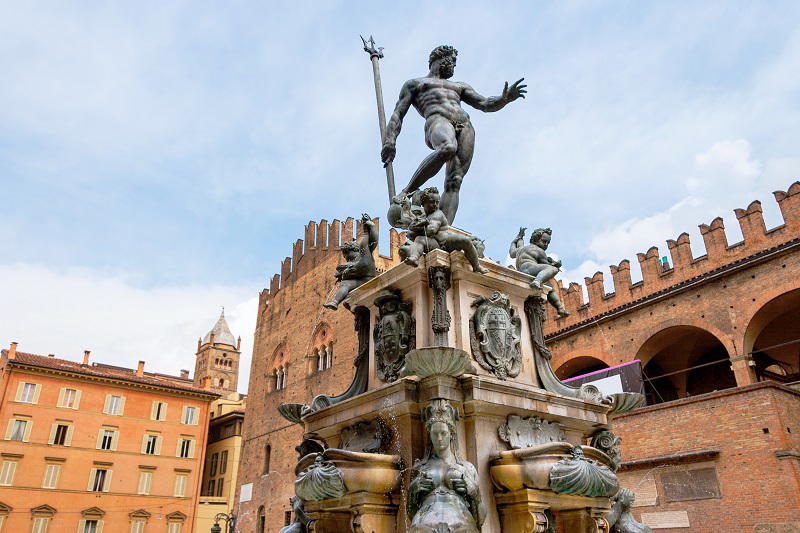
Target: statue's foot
<point x="411" y="261"/>
<point x="536" y="284"/>
<point x="480" y="270"/>
<point x="562" y="312"/>
<point x="331" y="305"/>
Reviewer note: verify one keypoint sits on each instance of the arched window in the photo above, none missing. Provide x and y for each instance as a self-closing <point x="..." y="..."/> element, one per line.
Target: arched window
<point x="261" y="521"/>
<point x="221" y="382"/>
<point x="267" y="458"/>
<point x="329" y="355"/>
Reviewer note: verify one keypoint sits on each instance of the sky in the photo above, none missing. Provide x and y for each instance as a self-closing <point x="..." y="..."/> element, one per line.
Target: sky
<point x="158" y="159"/>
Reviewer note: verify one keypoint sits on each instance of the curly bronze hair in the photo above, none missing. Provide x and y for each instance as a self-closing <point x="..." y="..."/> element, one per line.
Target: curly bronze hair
<point x="538" y="232"/>
<point x="350" y="246"/>
<point x="428" y="193"/>
<point x="441" y="52"/>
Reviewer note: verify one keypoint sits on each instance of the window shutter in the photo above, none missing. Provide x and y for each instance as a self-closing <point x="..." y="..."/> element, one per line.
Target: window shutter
<point x="107" y="484"/>
<point x="106" y="405"/>
<point x="52" y="437"/>
<point x="144" y="444"/>
<point x="178" y="448"/>
<point x="114" y="441"/>
<point x="19" y="391"/>
<point x="100" y="526"/>
<point x="37" y="390"/>
<point x="164" y="411"/>
<point x="10" y="428"/>
<point x="99" y="438"/>
<point x="191" y="448"/>
<point x="159" y="438"/>
<point x="61" y="397"/>
<point x="153" y="415"/>
<point x="81" y="526"/>
<point x="121" y="405"/>
<point x="183" y="415"/>
<point x="70" y="431"/>
<point x="77" y="399"/>
<point x="92" y="475"/>
<point x="28" y="427"/>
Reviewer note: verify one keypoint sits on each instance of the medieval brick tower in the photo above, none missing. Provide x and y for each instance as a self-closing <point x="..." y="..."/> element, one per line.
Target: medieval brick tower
<point x="218" y="358"/>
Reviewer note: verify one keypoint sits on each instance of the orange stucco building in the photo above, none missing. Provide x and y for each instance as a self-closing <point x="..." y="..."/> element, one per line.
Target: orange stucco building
<point x="93" y="447"/>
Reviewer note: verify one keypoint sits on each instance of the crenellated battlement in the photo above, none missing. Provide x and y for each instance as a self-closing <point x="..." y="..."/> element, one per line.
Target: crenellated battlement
<point x="658" y="276"/>
<point x="323" y="240"/>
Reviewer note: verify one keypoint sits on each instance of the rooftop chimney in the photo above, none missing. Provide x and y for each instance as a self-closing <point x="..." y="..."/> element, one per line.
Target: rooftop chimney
<point x="86" y="358"/>
<point x="239" y="343"/>
<point x="211" y="341"/>
<point x="140" y="369"/>
<point x="12" y="351"/>
<point x="51" y="355"/>
<point x="184" y="374"/>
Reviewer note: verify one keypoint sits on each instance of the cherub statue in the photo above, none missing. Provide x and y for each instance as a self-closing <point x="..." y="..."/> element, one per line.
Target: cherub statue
<point x="360" y="264"/>
<point x="429" y="229"/>
<point x="533" y="260"/>
<point x="444" y="487"/>
<point x="620" y="517"/>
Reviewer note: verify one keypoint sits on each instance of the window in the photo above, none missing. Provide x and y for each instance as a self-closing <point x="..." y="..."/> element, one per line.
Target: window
<point x="51" y="473"/>
<point x="210" y="489"/>
<point x="60" y="434"/>
<point x="145" y="481"/>
<point x="220" y="485"/>
<point x="99" y="480"/>
<point x="28" y="392"/>
<point x="267" y="457"/>
<point x="90" y="526"/>
<point x="280" y="378"/>
<point x="18" y="429"/>
<point x="159" y="411"/>
<point x="214" y="460"/>
<point x="185" y="448"/>
<point x="181" y="480"/>
<point x="175" y="527"/>
<point x="115" y="405"/>
<point x="223" y="462"/>
<point x="107" y="439"/>
<point x="69" y="398"/>
<point x="7" y="473"/>
<point x="137" y="525"/>
<point x="227" y="431"/>
<point x="151" y="444"/>
<point x="40" y="524"/>
<point x="287" y="518"/>
<point x="261" y="522"/>
<point x="190" y="415"/>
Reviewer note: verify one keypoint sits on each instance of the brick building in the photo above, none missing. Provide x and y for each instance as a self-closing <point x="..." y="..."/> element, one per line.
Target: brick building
<point x="93" y="447"/>
<point x="706" y="329"/>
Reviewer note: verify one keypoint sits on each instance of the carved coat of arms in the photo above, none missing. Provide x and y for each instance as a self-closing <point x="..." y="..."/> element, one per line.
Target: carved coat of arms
<point x="394" y="335"/>
<point x="494" y="336"/>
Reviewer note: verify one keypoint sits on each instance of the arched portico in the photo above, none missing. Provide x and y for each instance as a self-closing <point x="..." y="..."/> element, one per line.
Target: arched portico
<point x="578" y="365"/>
<point x="772" y="337"/>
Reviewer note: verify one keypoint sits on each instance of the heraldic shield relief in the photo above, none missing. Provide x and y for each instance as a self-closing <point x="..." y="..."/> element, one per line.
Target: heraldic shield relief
<point x="494" y="336"/>
<point x="394" y="335"/>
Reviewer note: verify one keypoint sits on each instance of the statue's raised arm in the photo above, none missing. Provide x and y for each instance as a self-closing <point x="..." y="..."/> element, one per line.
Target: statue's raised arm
<point x="494" y="103"/>
<point x="395" y="123"/>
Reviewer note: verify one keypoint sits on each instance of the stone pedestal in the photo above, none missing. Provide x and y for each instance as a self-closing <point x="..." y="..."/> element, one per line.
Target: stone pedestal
<point x="361" y="512"/>
<point x="524" y="511"/>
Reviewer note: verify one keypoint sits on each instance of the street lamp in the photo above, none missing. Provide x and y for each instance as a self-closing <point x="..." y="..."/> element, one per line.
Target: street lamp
<point x="230" y="523"/>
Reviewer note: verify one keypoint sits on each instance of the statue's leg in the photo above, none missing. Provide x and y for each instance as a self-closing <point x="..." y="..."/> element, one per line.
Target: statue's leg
<point x="555" y="301"/>
<point x="544" y="275"/>
<point x="341" y="293"/>
<point x="441" y="137"/>
<point x="457" y="167"/>
<point x="457" y="241"/>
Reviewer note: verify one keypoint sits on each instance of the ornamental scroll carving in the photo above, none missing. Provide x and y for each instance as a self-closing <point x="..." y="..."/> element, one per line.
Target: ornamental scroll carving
<point x="519" y="432"/>
<point x="494" y="335"/>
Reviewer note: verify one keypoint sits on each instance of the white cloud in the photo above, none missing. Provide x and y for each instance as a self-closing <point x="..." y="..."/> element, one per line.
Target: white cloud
<point x="66" y="312"/>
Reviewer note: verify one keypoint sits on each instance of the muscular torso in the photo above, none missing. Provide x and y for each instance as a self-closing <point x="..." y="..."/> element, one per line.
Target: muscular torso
<point x="531" y="254"/>
<point x="436" y="96"/>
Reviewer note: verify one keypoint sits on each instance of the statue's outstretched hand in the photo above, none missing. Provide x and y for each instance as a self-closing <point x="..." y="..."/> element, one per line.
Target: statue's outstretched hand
<point x="517" y="90"/>
<point x="521" y="233"/>
<point x="388" y="152"/>
<point x="365" y="218"/>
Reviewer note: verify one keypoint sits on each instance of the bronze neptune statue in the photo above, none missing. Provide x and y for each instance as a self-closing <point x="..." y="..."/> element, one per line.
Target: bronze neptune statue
<point x="448" y="130"/>
<point x="444" y="495"/>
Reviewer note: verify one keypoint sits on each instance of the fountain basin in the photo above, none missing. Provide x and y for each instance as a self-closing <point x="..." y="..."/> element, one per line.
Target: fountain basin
<point x="530" y="468"/>
<point x="361" y="472"/>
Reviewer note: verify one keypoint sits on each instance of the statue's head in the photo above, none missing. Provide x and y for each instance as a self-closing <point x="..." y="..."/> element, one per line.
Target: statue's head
<point x="541" y="237"/>
<point x="430" y="200"/>
<point x="444" y="59"/>
<point x="626" y="497"/>
<point x="440" y="418"/>
<point x="351" y="250"/>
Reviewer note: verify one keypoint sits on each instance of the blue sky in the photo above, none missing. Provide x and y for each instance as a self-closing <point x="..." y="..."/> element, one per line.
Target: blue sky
<point x="157" y="160"/>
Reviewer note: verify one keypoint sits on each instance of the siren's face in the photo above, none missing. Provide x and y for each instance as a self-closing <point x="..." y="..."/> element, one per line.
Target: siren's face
<point x="440" y="437"/>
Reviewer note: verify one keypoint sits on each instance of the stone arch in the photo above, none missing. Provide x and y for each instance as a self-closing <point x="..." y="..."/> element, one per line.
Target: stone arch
<point x="577" y="364"/>
<point x="770" y="337"/>
<point x="684" y="360"/>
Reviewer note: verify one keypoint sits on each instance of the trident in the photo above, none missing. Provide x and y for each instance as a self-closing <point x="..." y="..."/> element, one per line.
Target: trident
<point x="374" y="55"/>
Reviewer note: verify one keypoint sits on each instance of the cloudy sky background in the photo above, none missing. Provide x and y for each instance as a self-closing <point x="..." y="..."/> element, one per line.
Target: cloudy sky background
<point x="157" y="160"/>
